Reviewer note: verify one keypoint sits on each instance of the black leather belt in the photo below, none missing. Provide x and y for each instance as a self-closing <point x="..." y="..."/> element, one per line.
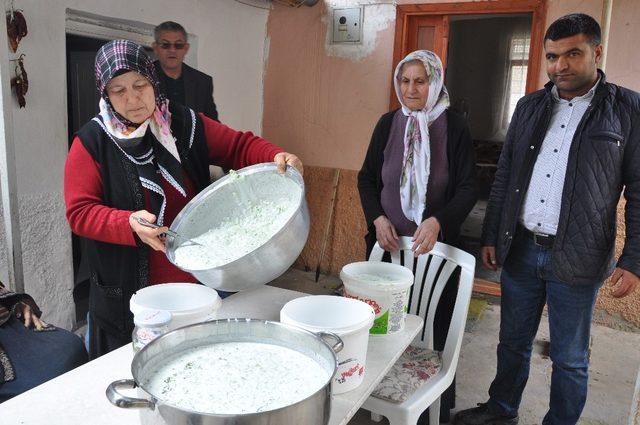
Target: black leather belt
<point x="539" y="239"/>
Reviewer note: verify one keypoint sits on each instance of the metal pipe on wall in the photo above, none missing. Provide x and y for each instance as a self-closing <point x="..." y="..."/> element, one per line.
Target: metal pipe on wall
<point x="607" y="7"/>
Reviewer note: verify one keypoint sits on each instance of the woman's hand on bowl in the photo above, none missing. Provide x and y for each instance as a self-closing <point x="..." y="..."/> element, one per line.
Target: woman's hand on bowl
<point x="152" y="237"/>
<point x="386" y="234"/>
<point x="283" y="159"/>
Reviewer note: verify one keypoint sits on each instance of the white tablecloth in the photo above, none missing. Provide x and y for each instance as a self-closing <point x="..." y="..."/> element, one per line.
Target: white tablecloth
<point x="78" y="397"/>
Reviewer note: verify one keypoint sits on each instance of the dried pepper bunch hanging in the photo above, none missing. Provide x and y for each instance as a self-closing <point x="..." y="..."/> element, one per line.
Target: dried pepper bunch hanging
<point x="16" y="28"/>
<point x="20" y="83"/>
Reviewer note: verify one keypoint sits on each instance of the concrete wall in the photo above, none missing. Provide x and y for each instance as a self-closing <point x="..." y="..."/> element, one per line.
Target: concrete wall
<point x="322" y="102"/>
<point x="623" y="61"/>
<point x="230" y="47"/>
<point x="623" y="67"/>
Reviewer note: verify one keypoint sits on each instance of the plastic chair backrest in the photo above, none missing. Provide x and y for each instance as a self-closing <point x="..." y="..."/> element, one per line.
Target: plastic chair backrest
<point x="431" y="274"/>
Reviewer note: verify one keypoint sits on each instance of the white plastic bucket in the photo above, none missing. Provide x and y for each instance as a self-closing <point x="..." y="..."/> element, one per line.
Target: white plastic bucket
<point x="349" y="319"/>
<point x="385" y="287"/>
<point x="188" y="303"/>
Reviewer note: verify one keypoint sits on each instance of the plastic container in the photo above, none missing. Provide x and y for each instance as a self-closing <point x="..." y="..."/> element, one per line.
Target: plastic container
<point x="149" y="324"/>
<point x="385" y="287"/>
<point x="188" y="303"/>
<point x="349" y="319"/>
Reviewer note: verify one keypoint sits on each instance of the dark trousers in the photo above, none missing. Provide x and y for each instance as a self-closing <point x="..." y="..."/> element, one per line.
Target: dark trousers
<point x="528" y="282"/>
<point x="37" y="357"/>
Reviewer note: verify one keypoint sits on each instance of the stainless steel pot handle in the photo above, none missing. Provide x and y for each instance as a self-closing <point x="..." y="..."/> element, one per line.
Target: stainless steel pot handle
<point x="124" y="401"/>
<point x="338" y="346"/>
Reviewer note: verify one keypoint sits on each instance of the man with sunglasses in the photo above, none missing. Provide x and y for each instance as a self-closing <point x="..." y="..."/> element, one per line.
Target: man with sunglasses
<point x="181" y="83"/>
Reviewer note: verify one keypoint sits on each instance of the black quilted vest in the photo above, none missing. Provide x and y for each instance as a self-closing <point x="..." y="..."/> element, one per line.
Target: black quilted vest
<point x="604" y="157"/>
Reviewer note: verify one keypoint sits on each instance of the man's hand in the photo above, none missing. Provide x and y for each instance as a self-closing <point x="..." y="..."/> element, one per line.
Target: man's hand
<point x="488" y="256"/>
<point x="386" y="234"/>
<point x="285" y="158"/>
<point x="425" y="236"/>
<point x="23" y="312"/>
<point x="623" y="282"/>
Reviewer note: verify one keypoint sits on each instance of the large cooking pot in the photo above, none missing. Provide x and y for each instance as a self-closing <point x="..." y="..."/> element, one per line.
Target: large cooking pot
<point x="218" y="202"/>
<point x="314" y="410"/>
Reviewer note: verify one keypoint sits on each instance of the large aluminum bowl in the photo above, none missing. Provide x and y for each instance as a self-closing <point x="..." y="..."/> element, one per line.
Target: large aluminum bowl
<point x="220" y="201"/>
<point x="154" y="410"/>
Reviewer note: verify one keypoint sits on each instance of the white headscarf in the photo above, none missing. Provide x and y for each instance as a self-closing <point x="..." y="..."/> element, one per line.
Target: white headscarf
<point x="416" y="162"/>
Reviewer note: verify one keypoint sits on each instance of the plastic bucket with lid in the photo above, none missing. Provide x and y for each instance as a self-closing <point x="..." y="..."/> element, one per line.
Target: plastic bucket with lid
<point x="385" y="287"/>
<point x="349" y="319"/>
<point x="188" y="303"/>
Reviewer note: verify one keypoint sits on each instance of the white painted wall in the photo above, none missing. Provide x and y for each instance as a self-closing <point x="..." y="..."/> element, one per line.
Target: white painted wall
<point x="230" y="46"/>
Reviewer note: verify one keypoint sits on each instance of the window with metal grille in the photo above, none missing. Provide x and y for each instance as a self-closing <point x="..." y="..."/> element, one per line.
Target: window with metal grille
<point x="518" y="64"/>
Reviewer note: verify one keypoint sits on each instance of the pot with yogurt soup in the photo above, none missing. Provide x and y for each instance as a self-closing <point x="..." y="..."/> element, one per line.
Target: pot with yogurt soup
<point x="233" y="371"/>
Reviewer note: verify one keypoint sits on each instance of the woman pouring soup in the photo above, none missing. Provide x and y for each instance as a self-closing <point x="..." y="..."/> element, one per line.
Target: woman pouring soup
<point x="140" y="157"/>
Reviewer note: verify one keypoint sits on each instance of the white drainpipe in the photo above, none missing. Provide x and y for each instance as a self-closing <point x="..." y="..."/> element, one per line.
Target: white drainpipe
<point x="607" y="6"/>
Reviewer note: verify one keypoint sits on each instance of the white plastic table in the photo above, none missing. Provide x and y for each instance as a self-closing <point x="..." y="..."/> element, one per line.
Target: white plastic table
<point x="78" y="397"/>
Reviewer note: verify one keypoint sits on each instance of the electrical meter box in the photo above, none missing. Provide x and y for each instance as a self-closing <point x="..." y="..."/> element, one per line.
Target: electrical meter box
<point x="347" y="25"/>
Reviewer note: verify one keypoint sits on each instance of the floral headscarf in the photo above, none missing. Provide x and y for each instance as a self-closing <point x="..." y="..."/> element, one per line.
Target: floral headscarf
<point x="124" y="55"/>
<point x="416" y="161"/>
<point x="160" y="156"/>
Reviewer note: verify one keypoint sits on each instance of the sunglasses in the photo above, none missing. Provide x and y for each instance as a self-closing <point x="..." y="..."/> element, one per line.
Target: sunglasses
<point x="178" y="46"/>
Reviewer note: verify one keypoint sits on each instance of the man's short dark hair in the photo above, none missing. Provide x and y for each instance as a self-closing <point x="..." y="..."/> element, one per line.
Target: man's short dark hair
<point x="573" y="24"/>
<point x="169" y="26"/>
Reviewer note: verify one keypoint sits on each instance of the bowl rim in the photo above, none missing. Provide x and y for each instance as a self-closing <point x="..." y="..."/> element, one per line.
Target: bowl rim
<point x="288" y="318"/>
<point x="291" y="172"/>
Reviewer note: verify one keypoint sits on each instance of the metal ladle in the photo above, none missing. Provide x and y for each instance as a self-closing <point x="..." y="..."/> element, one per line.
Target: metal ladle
<point x="169" y="232"/>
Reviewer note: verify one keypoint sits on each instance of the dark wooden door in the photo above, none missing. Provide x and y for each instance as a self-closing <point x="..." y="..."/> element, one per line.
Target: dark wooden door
<point x="82" y="105"/>
<point x="82" y="96"/>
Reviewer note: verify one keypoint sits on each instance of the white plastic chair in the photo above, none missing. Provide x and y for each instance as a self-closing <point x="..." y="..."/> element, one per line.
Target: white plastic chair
<point x="435" y="269"/>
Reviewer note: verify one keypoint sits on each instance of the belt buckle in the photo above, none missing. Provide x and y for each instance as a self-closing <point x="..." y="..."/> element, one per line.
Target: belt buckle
<point x="539" y="235"/>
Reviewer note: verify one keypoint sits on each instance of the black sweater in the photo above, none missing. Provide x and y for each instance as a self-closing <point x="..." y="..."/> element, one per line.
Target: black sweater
<point x="461" y="192"/>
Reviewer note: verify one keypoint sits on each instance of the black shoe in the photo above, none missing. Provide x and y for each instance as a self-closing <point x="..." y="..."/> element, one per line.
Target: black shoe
<point x="482" y="416"/>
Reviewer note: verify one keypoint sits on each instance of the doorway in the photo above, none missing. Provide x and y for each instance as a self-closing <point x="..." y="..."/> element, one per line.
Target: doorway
<point x="491" y="52"/>
<point x="82" y="105"/>
<point x="486" y="76"/>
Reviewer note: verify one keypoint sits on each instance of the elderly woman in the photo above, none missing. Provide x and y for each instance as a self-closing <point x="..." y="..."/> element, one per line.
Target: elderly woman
<point x="418" y="177"/>
<point x="140" y="157"/>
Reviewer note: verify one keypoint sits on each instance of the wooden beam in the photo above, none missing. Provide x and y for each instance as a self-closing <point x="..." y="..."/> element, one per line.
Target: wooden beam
<point x="475" y="7"/>
<point x="538" y="28"/>
<point x="486" y="287"/>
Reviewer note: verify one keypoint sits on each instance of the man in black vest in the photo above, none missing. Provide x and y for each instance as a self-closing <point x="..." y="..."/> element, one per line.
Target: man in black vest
<point x="181" y="83"/>
<point x="570" y="150"/>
